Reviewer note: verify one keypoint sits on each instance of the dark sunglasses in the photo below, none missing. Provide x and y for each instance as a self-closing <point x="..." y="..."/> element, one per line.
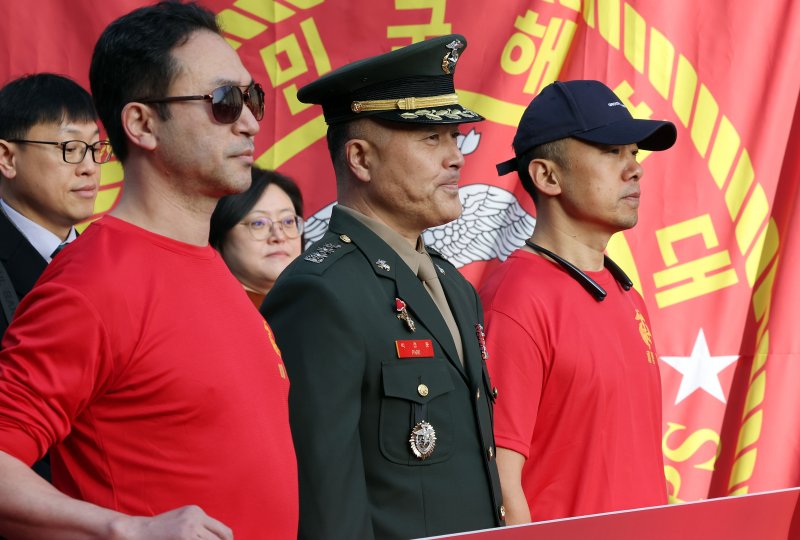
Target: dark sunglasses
<point x="226" y="102"/>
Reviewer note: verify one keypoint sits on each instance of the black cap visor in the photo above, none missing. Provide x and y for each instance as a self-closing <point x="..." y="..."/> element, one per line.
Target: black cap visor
<point x="647" y="134"/>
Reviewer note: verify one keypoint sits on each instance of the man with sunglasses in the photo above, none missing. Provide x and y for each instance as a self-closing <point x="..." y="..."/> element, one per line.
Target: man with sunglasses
<point x="137" y="358"/>
<point x="49" y="175"/>
<point x="578" y="417"/>
<point x="390" y="403"/>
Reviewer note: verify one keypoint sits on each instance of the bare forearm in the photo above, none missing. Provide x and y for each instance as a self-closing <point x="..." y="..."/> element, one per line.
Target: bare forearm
<point x="509" y="466"/>
<point x="32" y="508"/>
<point x="516" y="506"/>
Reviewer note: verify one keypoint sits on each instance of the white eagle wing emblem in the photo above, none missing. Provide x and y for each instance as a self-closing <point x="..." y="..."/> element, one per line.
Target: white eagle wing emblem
<point x="317" y="224"/>
<point x="492" y="226"/>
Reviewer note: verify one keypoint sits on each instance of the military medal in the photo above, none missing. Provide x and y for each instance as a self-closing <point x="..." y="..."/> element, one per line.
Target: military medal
<point x="423" y="440"/>
<point x="482" y="341"/>
<point x="402" y="314"/>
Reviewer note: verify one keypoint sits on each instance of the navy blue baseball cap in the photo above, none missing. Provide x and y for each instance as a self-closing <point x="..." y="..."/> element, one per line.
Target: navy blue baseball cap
<point x="588" y="111"/>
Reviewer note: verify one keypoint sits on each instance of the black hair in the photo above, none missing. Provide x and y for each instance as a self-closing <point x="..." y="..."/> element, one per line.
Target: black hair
<point x="132" y="60"/>
<point x="231" y="209"/>
<point x="42" y="98"/>
<point x="336" y="137"/>
<point x="553" y="151"/>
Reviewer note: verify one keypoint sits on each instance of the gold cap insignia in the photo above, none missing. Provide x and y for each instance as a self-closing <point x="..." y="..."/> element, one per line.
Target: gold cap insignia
<point x="450" y="59"/>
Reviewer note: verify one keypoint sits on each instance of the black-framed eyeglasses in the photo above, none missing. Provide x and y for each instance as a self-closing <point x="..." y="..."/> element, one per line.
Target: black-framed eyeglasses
<point x="591" y="286"/>
<point x="74" y="152"/>
<point x="226" y="101"/>
<point x="261" y="227"/>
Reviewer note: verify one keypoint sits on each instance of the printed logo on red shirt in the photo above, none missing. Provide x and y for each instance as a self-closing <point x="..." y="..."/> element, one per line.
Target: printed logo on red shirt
<point x="647" y="337"/>
<point x="281" y="369"/>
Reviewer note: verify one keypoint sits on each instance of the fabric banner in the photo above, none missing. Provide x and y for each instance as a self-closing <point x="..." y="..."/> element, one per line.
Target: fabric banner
<point x="715" y="253"/>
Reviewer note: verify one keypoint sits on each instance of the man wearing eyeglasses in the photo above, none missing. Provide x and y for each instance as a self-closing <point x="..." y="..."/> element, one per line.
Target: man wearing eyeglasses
<point x="578" y="417"/>
<point x="390" y="403"/>
<point x="137" y="358"/>
<point x="49" y="156"/>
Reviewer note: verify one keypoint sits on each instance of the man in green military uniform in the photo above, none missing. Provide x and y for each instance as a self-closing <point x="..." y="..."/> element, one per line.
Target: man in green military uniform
<point x="390" y="399"/>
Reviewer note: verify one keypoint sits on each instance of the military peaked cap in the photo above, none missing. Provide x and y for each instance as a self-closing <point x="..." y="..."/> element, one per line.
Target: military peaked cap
<point x="412" y="85"/>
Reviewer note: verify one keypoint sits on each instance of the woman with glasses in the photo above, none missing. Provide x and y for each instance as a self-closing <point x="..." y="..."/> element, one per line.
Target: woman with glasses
<point x="260" y="231"/>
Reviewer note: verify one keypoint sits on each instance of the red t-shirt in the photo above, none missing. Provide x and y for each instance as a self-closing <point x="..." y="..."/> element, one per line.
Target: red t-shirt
<point x="579" y="389"/>
<point x="144" y="365"/>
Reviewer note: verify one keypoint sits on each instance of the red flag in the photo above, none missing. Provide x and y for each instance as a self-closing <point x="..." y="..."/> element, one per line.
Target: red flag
<point x="715" y="251"/>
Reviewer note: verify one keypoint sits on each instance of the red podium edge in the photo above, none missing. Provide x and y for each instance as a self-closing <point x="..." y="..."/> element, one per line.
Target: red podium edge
<point x="773" y="515"/>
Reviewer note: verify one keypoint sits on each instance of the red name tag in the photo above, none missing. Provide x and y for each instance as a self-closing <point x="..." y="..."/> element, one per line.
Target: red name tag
<point x="414" y="348"/>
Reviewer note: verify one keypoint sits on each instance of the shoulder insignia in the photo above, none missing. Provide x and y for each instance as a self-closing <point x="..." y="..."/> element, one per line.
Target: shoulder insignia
<point x="322" y="252"/>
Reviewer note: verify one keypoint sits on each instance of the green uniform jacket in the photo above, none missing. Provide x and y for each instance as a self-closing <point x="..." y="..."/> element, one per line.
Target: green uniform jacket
<point x="353" y="402"/>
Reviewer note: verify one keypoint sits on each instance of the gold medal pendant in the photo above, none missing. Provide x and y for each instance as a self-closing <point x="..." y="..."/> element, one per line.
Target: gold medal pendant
<point x="423" y="440"/>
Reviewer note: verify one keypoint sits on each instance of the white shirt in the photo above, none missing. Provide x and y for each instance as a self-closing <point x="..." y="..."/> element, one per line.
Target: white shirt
<point x="40" y="238"/>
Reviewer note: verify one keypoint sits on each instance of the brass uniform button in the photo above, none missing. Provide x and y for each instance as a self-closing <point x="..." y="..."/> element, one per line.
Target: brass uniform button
<point x="494" y="392"/>
<point x="422" y="390"/>
<point x="344" y="238"/>
<point x="502" y="512"/>
<point x="478" y="394"/>
<point x="490" y="453"/>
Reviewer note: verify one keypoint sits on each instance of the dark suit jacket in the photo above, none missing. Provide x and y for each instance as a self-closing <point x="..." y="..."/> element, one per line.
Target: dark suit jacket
<point x="353" y="401"/>
<point x="21" y="260"/>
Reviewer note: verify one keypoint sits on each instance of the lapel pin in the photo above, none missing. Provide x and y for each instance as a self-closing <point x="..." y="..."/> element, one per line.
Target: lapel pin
<point x="383" y="265"/>
<point x="402" y="314"/>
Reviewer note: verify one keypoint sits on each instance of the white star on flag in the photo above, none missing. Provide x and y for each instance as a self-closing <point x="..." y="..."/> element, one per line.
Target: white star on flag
<point x="700" y="370"/>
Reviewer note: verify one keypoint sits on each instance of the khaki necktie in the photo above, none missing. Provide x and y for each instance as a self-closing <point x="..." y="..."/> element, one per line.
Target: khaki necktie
<point x="429" y="277"/>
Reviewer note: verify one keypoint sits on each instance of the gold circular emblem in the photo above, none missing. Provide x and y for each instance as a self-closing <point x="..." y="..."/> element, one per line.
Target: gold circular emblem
<point x="355" y="106"/>
<point x="423" y="390"/>
<point x="423" y="440"/>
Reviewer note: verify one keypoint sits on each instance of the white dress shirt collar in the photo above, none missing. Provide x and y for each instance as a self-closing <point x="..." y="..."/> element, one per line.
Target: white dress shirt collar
<point x="40" y="238"/>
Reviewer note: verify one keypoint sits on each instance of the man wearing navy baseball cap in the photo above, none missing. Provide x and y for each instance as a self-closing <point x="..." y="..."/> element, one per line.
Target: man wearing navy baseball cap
<point x="578" y="417"/>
